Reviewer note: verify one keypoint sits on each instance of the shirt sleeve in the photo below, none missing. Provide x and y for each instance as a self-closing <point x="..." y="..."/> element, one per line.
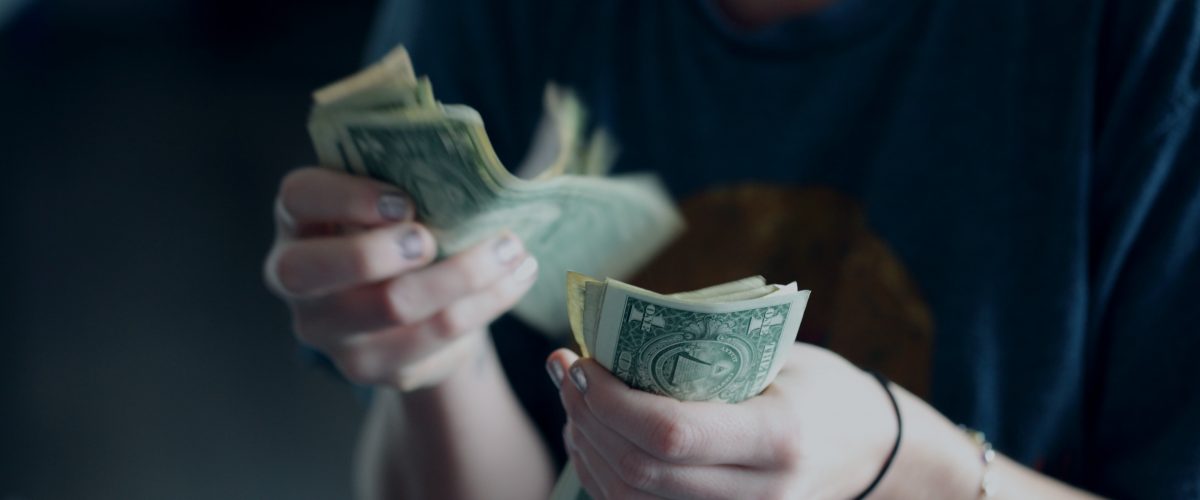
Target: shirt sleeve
<point x="1143" y="401"/>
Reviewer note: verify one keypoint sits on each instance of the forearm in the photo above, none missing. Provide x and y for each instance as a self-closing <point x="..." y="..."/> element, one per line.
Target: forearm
<point x="938" y="460"/>
<point x="467" y="437"/>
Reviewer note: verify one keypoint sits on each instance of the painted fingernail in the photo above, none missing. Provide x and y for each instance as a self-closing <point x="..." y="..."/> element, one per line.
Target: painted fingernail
<point x="556" y="373"/>
<point x="412" y="245"/>
<point x="393" y="206"/>
<point x="527" y="269"/>
<point x="578" y="378"/>
<point x="506" y="249"/>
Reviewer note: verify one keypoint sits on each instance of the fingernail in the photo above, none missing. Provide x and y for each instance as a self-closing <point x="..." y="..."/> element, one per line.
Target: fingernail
<point x="393" y="206"/>
<point x="506" y="249"/>
<point x="554" y="368"/>
<point x="527" y="269"/>
<point x="578" y="378"/>
<point x="412" y="245"/>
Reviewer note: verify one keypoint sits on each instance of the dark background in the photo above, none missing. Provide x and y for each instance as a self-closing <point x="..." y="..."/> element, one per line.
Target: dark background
<point x="141" y="143"/>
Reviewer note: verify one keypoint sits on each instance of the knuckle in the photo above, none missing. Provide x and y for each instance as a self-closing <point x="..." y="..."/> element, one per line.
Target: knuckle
<point x="445" y="286"/>
<point x="482" y="265"/>
<point x="292" y="185"/>
<point x="638" y="471"/>
<point x="359" y="258"/>
<point x="438" y="281"/>
<point x="287" y="266"/>
<point x="465" y="269"/>
<point x="576" y="407"/>
<point x="448" y="322"/>
<point x="396" y="304"/>
<point x="786" y="446"/>
<point x="787" y="453"/>
<point x="672" y="439"/>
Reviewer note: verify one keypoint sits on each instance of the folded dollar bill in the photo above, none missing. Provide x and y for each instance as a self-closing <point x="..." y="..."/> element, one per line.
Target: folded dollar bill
<point x="384" y="122"/>
<point x="724" y="343"/>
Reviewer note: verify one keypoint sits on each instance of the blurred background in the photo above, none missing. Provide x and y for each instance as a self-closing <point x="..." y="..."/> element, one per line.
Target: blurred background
<point x="140" y="147"/>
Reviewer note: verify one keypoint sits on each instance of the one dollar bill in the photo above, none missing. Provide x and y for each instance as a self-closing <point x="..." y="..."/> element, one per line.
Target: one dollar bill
<point x="384" y="122"/>
<point x="724" y="343"/>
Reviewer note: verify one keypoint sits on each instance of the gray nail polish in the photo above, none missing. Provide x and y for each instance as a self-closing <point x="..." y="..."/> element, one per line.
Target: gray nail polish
<point x="412" y="245"/>
<point x="393" y="206"/>
<point x="579" y="378"/>
<point x="505" y="250"/>
<point x="556" y="373"/>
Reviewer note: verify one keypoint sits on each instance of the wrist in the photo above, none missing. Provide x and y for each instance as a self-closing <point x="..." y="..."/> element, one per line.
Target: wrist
<point x="935" y="458"/>
<point x="887" y="446"/>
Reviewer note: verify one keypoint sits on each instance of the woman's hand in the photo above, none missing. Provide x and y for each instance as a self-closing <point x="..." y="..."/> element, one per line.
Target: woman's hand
<point x="355" y="269"/>
<point x="823" y="429"/>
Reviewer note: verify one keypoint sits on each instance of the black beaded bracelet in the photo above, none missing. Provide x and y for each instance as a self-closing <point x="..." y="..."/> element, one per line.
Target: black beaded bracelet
<point x="887" y="387"/>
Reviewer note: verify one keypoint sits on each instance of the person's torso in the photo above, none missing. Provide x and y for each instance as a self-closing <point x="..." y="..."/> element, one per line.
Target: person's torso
<point x="921" y="167"/>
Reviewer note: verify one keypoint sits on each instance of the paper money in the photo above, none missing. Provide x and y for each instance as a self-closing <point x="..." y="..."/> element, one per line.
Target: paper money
<point x="384" y="122"/>
<point x="724" y="343"/>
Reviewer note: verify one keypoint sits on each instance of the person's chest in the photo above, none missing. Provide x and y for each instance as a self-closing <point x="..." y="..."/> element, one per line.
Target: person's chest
<point x="928" y="180"/>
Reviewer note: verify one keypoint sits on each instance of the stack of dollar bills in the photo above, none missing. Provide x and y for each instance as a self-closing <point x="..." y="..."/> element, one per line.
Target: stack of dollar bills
<point x="384" y="122"/>
<point x="724" y="343"/>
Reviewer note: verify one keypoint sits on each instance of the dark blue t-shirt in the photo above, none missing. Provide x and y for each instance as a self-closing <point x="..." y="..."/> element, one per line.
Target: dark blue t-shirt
<point x="998" y="203"/>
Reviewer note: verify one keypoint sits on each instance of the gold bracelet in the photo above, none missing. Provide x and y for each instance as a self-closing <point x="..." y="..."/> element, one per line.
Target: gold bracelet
<point x="987" y="486"/>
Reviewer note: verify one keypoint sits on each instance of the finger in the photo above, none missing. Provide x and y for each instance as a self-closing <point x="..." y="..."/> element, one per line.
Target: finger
<point x="641" y="471"/>
<point x="314" y="195"/>
<point x="586" y="480"/>
<point x="327" y="319"/>
<point x="557" y="364"/>
<point x="686" y="433"/>
<point x="419" y="294"/>
<point x="405" y="300"/>
<point x="372" y="357"/>
<point x="603" y="475"/>
<point x="317" y="266"/>
<point x="468" y="314"/>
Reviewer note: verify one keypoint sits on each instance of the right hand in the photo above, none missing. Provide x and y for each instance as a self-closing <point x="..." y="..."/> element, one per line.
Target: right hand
<point x="355" y="269"/>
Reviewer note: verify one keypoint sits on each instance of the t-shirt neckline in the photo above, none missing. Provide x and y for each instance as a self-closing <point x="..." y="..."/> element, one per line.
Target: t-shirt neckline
<point x="842" y="23"/>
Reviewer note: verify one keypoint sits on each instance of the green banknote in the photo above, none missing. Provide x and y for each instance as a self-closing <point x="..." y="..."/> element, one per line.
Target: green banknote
<point x="724" y="343"/>
<point x="385" y="123"/>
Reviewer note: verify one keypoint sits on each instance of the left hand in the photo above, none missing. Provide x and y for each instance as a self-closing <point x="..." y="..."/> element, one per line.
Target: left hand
<point x="822" y="430"/>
